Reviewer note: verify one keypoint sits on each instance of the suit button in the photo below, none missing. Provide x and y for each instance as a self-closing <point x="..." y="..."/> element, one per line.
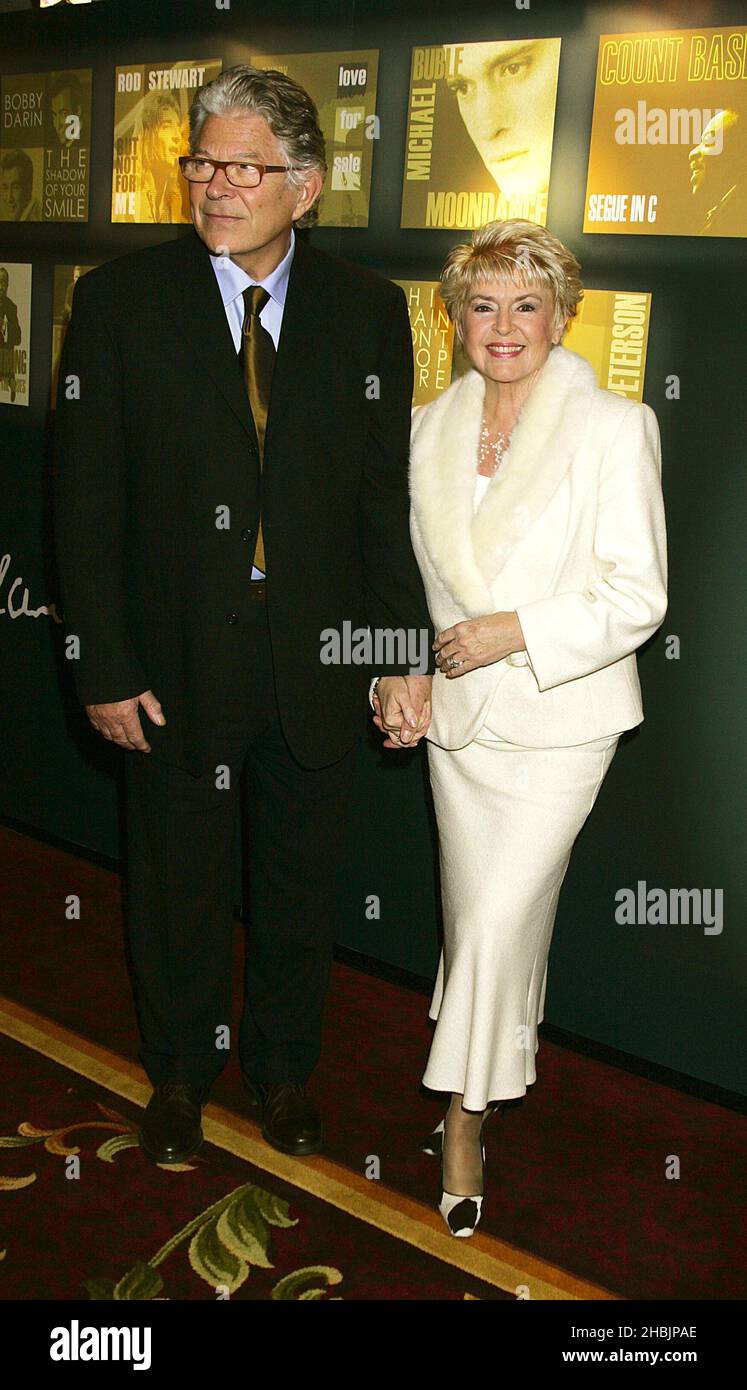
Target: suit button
<point x="246" y="534"/>
<point x="232" y="617"/>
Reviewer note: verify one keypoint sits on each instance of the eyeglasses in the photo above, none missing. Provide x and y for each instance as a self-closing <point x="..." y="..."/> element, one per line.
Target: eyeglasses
<point x="199" y="170"/>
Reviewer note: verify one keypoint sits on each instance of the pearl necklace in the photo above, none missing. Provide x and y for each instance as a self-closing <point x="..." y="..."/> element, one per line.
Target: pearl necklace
<point x="491" y="451"/>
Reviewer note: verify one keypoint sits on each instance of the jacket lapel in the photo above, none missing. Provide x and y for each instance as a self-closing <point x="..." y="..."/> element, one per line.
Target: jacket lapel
<point x="443" y="459"/>
<point x="469" y="551"/>
<point x="204" y="318"/>
<point x="307" y="289"/>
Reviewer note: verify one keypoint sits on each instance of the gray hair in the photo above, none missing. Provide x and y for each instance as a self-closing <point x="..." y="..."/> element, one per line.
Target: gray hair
<point x="288" y="109"/>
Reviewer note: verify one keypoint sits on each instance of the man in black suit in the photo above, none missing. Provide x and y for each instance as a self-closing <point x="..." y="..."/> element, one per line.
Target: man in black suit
<point x="208" y="532"/>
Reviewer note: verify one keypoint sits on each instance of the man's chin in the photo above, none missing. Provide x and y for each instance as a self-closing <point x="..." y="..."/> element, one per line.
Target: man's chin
<point x="216" y="235"/>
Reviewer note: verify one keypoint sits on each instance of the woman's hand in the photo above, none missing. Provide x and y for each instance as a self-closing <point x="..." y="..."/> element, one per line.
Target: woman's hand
<point x="477" y="642"/>
<point x="402" y="709"/>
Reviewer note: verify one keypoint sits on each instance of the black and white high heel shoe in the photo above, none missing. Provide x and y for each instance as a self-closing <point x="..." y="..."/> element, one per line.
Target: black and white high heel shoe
<point x="462" y="1214"/>
<point x="434" y="1144"/>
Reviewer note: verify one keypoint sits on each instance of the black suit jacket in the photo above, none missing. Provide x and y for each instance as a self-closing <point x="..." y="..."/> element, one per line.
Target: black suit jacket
<point x="157" y="441"/>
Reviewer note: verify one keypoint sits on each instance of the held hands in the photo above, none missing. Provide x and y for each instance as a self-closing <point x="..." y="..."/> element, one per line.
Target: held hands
<point x="477" y="642"/>
<point x="402" y="709"/>
<point x="402" y="704"/>
<point x="119" y="721"/>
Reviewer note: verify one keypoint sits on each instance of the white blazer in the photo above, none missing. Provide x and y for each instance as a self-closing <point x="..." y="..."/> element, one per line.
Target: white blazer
<point x="570" y="534"/>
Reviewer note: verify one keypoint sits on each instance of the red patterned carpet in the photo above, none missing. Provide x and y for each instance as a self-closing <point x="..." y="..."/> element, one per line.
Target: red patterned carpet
<point x="84" y="1214"/>
<point x="576" y="1183"/>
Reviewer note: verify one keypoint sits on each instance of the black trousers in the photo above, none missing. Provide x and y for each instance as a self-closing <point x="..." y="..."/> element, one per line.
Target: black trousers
<point x="180" y="832"/>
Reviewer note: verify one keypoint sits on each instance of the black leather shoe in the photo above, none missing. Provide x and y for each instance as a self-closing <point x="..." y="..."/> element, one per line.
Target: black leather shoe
<point x="257" y="1093"/>
<point x="171" y="1129"/>
<point x="290" y="1120"/>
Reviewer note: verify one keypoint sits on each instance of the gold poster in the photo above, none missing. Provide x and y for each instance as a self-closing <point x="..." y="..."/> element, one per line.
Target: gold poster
<point x="343" y="88"/>
<point x="45" y="146"/>
<point x="668" y="153"/>
<point x="610" y="331"/>
<point x="151" y="130"/>
<point x="479" y="136"/>
<point x="432" y="339"/>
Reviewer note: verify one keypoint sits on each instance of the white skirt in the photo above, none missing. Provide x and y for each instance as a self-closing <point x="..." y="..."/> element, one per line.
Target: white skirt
<point x="507" y="819"/>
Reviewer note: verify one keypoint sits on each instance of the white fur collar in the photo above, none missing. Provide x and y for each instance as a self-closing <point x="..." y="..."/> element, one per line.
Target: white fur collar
<point x="466" y="549"/>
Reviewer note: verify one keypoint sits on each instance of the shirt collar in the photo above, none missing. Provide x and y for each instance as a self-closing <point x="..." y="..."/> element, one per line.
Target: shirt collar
<point x="232" y="280"/>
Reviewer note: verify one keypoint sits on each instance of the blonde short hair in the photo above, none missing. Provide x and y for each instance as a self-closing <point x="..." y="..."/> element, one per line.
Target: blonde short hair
<point x="523" y="252"/>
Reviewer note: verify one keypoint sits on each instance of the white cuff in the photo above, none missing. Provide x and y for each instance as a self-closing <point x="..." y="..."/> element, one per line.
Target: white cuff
<point x="370" y="693"/>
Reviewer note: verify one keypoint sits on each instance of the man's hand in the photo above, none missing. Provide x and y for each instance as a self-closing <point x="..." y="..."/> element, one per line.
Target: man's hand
<point x="477" y="642"/>
<point x="403" y="709"/>
<point x="119" y="722"/>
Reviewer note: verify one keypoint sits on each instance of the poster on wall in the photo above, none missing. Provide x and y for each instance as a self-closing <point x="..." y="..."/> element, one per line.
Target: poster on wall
<point x="151" y="130"/>
<point x="432" y="339"/>
<point x="15" y="332"/>
<point x="66" y="278"/>
<point x="45" y="146"/>
<point x="610" y="331"/>
<point x="480" y="123"/>
<point x="668" y="153"/>
<point x="343" y="88"/>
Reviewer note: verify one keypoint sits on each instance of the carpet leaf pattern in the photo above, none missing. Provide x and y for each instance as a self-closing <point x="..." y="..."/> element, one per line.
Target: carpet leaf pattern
<point x="294" y="1286"/>
<point x="140" y="1282"/>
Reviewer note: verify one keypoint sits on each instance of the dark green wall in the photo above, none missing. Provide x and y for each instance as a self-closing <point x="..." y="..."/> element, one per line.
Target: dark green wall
<point x="672" y="808"/>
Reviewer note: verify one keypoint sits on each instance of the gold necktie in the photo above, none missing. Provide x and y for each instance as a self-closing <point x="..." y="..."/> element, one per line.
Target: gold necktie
<point x="258" y="361"/>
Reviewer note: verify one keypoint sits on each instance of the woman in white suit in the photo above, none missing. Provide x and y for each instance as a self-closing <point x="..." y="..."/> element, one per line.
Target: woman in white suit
<point x="538" y="523"/>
